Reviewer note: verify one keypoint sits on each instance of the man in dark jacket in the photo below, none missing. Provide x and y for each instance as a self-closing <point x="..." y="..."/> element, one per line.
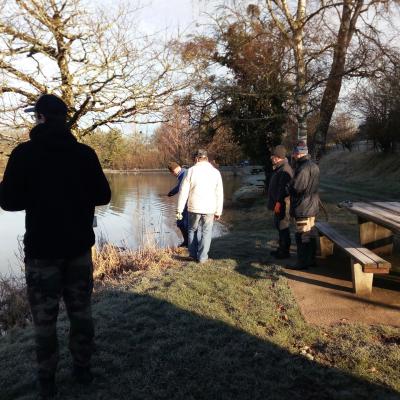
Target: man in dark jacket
<point x="304" y="205"/>
<point x="278" y="199"/>
<point x="179" y="172"/>
<point x="58" y="182"/>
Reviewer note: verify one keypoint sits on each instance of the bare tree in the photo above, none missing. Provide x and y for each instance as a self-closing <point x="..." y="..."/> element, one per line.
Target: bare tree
<point x="357" y="18"/>
<point x="292" y="27"/>
<point x="378" y="101"/>
<point x="343" y="131"/>
<point x="90" y="57"/>
<point x="320" y="35"/>
<point x="175" y="137"/>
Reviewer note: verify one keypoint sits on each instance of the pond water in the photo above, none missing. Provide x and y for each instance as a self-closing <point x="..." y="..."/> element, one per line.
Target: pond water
<point x="139" y="213"/>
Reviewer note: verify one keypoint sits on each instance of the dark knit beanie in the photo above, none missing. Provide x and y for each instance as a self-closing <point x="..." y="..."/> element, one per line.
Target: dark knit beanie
<point x="301" y="148"/>
<point x="279" y="151"/>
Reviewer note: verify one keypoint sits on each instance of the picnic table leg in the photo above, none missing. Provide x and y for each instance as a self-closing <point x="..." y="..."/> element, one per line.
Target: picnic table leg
<point x="375" y="237"/>
<point x="325" y="246"/>
<point x="362" y="281"/>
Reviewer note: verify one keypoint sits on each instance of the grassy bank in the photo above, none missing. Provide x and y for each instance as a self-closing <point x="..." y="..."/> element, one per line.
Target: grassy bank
<point x="170" y="329"/>
<point x="373" y="174"/>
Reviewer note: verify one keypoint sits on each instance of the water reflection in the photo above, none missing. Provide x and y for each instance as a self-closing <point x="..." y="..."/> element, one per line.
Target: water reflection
<point x="139" y="213"/>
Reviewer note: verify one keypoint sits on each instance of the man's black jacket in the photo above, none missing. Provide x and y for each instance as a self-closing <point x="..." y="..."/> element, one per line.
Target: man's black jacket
<point x="278" y="188"/>
<point x="58" y="181"/>
<point x="304" y="198"/>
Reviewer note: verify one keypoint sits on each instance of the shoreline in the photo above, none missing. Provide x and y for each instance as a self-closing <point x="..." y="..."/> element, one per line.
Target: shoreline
<point x="235" y="170"/>
<point x="230" y="169"/>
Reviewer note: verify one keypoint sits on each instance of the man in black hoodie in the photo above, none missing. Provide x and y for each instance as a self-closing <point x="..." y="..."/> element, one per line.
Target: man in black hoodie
<point x="278" y="199"/>
<point x="58" y="182"/>
<point x="304" y="205"/>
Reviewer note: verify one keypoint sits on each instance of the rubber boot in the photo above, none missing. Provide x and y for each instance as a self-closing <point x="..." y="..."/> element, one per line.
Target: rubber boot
<point x="283" y="250"/>
<point x="307" y="250"/>
<point x="47" y="388"/>
<point x="83" y="375"/>
<point x="311" y="262"/>
<point x="303" y="253"/>
<point x="284" y="241"/>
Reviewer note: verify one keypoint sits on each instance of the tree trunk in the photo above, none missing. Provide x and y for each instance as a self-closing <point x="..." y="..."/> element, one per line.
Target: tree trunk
<point x="350" y="13"/>
<point x="301" y="96"/>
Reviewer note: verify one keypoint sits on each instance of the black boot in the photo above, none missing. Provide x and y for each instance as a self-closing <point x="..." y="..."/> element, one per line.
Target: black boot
<point x="283" y="250"/>
<point x="305" y="253"/>
<point x="302" y="250"/>
<point x="284" y="241"/>
<point x="82" y="375"/>
<point x="312" y="252"/>
<point x="280" y="254"/>
<point x="47" y="388"/>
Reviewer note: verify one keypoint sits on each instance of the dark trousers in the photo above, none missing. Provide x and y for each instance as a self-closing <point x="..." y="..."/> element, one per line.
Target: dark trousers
<point x="183" y="226"/>
<point x="184" y="232"/>
<point x="48" y="281"/>
<point x="306" y="241"/>
<point x="284" y="235"/>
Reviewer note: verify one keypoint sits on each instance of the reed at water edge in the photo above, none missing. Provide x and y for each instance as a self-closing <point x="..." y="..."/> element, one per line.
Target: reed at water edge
<point x="110" y="262"/>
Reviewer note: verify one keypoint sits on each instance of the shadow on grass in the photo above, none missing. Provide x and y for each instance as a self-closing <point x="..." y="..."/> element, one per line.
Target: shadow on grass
<point x="148" y="348"/>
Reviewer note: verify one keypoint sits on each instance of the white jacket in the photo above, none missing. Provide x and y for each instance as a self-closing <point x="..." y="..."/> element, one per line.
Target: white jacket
<point x="202" y="190"/>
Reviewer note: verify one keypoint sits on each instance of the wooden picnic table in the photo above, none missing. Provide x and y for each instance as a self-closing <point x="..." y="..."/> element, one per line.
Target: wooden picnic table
<point x="378" y="222"/>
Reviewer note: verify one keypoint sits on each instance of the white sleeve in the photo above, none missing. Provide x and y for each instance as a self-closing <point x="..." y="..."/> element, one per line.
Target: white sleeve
<point x="184" y="191"/>
<point x="220" y="195"/>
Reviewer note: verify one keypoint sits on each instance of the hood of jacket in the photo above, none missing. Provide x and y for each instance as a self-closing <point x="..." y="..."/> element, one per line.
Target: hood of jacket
<point x="52" y="136"/>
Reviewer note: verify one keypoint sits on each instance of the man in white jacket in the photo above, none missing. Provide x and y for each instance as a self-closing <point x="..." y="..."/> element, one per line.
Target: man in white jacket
<point x="203" y="191"/>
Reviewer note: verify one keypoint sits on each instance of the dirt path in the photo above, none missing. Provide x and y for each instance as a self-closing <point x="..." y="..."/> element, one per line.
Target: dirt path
<point x="324" y="294"/>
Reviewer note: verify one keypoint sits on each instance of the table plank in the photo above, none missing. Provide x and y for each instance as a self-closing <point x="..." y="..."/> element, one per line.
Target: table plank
<point x="384" y="215"/>
<point x="392" y="206"/>
<point x="384" y="212"/>
<point x="375" y="214"/>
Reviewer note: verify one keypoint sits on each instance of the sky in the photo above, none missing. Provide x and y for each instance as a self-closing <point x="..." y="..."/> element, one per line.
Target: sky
<point x="170" y="15"/>
<point x="167" y="18"/>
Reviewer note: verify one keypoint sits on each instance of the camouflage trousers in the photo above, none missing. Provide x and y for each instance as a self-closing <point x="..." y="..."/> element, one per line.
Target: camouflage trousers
<point x="47" y="282"/>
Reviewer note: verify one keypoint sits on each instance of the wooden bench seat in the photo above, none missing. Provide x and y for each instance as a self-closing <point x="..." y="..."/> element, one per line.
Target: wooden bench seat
<point x="364" y="263"/>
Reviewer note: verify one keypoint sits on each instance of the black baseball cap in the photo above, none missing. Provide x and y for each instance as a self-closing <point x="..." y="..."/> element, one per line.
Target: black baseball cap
<point x="49" y="105"/>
